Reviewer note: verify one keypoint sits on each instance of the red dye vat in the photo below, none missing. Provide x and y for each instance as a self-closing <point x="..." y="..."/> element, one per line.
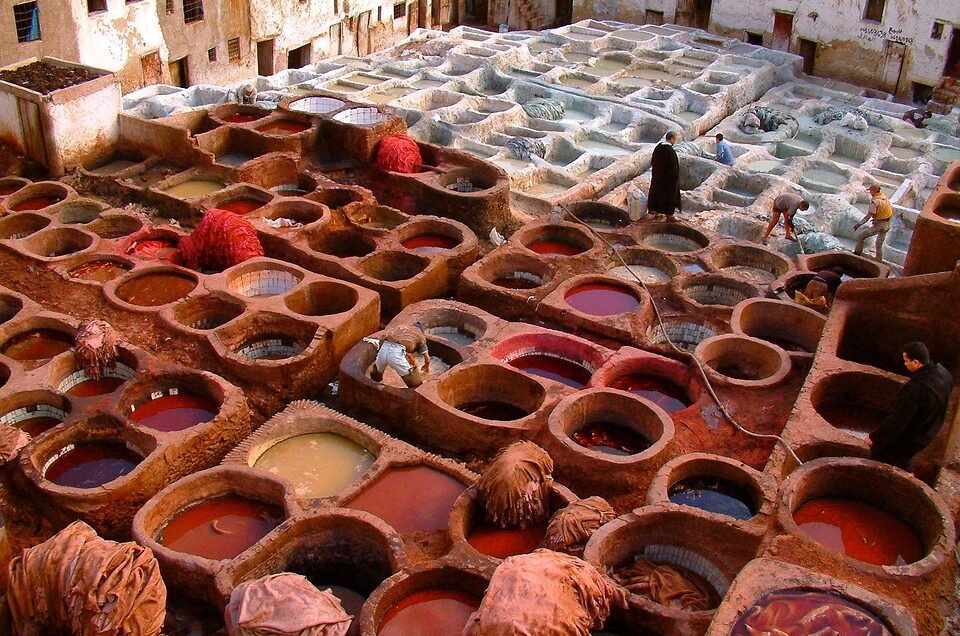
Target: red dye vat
<point x="513" y="282"/>
<point x="415" y="499"/>
<point x="152" y="290"/>
<point x="667" y="396"/>
<point x="500" y="543"/>
<point x="91" y="387"/>
<point x="805" y="612"/>
<point x="284" y="127"/>
<point x="92" y="465"/>
<point x="859" y="530"/>
<point x="37" y="425"/>
<point x="99" y="271"/>
<point x="599" y="299"/>
<point x="853" y="417"/>
<point x="552" y="368"/>
<point x="37" y="344"/>
<point x="611" y="438"/>
<point x="433" y="612"/>
<point x="493" y="410"/>
<point x="36" y="203"/>
<point x="154" y="249"/>
<point x="430" y="243"/>
<point x="241" y="118"/>
<point x="171" y="413"/>
<point x="9" y="188"/>
<point x="555" y="248"/>
<point x="220" y="528"/>
<point x="241" y="206"/>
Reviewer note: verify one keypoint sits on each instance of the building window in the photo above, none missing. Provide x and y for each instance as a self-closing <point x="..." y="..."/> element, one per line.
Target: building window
<point x="94" y="6"/>
<point x="755" y="38"/>
<point x="212" y="54"/>
<point x="399" y="10"/>
<point x="170" y="6"/>
<point x="233" y="49"/>
<point x="380" y="13"/>
<point x="874" y="10"/>
<point x="192" y="10"/>
<point x="937" y="31"/>
<point x="26" y="16"/>
<point x="654" y="17"/>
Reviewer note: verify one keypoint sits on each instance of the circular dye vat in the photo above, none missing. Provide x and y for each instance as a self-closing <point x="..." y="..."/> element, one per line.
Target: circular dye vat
<point x="37" y="425"/>
<point x="611" y="438"/>
<point x="554" y="248"/>
<point x="153" y="290"/>
<point x="805" y="612"/>
<point x="430" y="243"/>
<point x="432" y="612"/>
<point x="667" y="396"/>
<point x="99" y="271"/>
<point x="649" y="275"/>
<point x="176" y="412"/>
<point x="600" y="299"/>
<point x="667" y="584"/>
<point x="37" y="344"/>
<point x="92" y="464"/>
<point x="500" y="543"/>
<point x="553" y="368"/>
<point x="412" y="499"/>
<point x="859" y="530"/>
<point x="154" y="249"/>
<point x="92" y="386"/>
<point x="453" y="335"/>
<point x="318" y="464"/>
<point x="284" y="127"/>
<point x="519" y="280"/>
<point x="290" y="190"/>
<point x="493" y="410"/>
<point x="856" y="418"/>
<point x="270" y="348"/>
<point x="9" y="188"/>
<point x="241" y="118"/>
<point x="36" y="203"/>
<point x="220" y="528"/>
<point x="194" y="188"/>
<point x="713" y="495"/>
<point x="241" y="206"/>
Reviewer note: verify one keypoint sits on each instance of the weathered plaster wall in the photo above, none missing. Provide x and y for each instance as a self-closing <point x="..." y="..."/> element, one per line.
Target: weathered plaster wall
<point x="222" y="20"/>
<point x="10" y="132"/>
<point x="86" y="127"/>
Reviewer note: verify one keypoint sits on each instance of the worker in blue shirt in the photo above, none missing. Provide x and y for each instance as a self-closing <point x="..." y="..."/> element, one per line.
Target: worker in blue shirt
<point x="724" y="152"/>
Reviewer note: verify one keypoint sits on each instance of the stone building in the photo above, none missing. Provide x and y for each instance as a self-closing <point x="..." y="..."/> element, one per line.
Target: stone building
<point x="899" y="46"/>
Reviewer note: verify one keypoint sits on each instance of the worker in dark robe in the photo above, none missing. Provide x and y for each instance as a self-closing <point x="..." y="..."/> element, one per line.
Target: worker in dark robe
<point x="918" y="410"/>
<point x="665" y="182"/>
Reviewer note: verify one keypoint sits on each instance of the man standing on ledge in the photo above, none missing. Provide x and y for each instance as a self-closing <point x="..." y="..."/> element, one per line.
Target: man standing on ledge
<point x="665" y="181"/>
<point x="880" y="212"/>
<point x="917" y="412"/>
<point x="396" y="351"/>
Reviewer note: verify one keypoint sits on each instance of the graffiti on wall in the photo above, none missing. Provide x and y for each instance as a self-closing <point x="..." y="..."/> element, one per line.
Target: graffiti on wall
<point x="870" y="34"/>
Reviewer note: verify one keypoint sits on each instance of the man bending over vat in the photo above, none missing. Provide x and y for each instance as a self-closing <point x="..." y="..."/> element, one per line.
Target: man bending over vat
<point x="918" y="410"/>
<point x="785" y="205"/>
<point x="397" y="350"/>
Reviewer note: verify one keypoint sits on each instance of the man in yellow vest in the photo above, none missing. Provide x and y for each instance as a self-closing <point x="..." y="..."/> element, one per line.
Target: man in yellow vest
<point x="880" y="212"/>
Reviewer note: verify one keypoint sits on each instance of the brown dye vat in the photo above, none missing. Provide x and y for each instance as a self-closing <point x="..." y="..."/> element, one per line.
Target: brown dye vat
<point x="37" y="425"/>
<point x="318" y="464"/>
<point x="100" y="271"/>
<point x="411" y="499"/>
<point x="92" y="387"/>
<point x="684" y="589"/>
<point x="611" y="438"/>
<point x="803" y="612"/>
<point x="667" y="396"/>
<point x="9" y="188"/>
<point x="599" y="299"/>
<point x="90" y="465"/>
<point x="430" y="612"/>
<point x="430" y="243"/>
<point x="949" y="212"/>
<point x="514" y="281"/>
<point x="22" y="225"/>
<point x="493" y="410"/>
<point x="859" y="530"/>
<point x="153" y="290"/>
<point x="713" y="495"/>
<point x="553" y="368"/>
<point x="241" y="206"/>
<point x="37" y="344"/>
<point x="856" y="418"/>
<point x="502" y="543"/>
<point x="241" y="118"/>
<point x="284" y="127"/>
<point x="170" y="413"/>
<point x="220" y="528"/>
<point x="36" y="203"/>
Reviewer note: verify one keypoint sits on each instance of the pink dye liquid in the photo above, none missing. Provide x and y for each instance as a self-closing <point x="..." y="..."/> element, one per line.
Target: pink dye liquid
<point x="36" y="203"/>
<point x="91" y="387"/>
<point x="99" y="271"/>
<point x="38" y="344"/>
<point x="415" y="499"/>
<point x="805" y="612"/>
<point x="611" y="438"/>
<point x="499" y="543"/>
<point x="171" y="413"/>
<point x="434" y="612"/>
<point x="554" y="248"/>
<point x="430" y="243"/>
<point x="92" y="465"/>
<point x="859" y="530"/>
<point x="601" y="300"/>
<point x="153" y="290"/>
<point x="241" y="206"/>
<point x="665" y="395"/>
<point x="569" y="373"/>
<point x="221" y="528"/>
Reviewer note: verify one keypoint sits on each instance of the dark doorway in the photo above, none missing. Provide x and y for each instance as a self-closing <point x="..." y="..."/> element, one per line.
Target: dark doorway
<point x="437" y="23"/>
<point x="755" y="38"/>
<point x="180" y="73"/>
<point x="808" y="51"/>
<point x="782" y="30"/>
<point x="701" y="14"/>
<point x="952" y="67"/>
<point x="265" y="57"/>
<point x="298" y="57"/>
<point x="564" y="12"/>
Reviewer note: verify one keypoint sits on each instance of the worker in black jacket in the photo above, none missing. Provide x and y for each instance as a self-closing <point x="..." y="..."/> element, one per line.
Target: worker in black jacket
<point x="917" y="412"/>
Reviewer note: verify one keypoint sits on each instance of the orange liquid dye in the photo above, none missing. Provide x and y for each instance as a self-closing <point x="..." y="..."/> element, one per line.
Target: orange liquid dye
<point x="434" y="612"/>
<point x="152" y="290"/>
<point x="416" y="499"/>
<point x="554" y="248"/>
<point x="174" y="412"/>
<point x="430" y="243"/>
<point x="859" y="530"/>
<point x="241" y="206"/>
<point x="38" y="344"/>
<point x="91" y="387"/>
<point x="499" y="543"/>
<point x="99" y="271"/>
<point x="284" y="127"/>
<point x="241" y="118"/>
<point x="92" y="465"/>
<point x="220" y="528"/>
<point x="36" y="203"/>
<point x="154" y="249"/>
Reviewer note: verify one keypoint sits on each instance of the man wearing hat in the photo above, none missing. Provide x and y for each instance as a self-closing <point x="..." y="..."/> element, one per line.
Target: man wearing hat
<point x="397" y="350"/>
